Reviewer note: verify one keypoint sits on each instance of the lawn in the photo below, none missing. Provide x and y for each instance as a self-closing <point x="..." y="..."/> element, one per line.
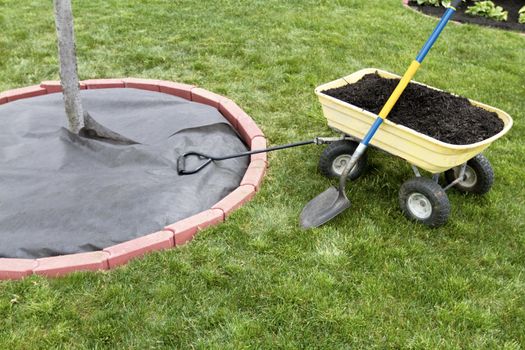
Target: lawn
<point x="369" y="278"/>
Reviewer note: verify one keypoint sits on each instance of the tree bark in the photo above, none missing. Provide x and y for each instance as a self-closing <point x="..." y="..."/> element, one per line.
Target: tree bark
<point x="68" y="64"/>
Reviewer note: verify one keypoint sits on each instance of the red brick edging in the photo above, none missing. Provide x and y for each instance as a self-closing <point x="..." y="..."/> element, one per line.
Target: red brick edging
<point x="172" y="235"/>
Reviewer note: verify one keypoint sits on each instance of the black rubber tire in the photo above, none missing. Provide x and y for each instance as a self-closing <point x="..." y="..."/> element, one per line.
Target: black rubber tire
<point x="480" y="166"/>
<point x="411" y="192"/>
<point x="336" y="149"/>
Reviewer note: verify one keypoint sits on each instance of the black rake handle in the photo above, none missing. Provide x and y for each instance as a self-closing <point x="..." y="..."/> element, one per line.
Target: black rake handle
<point x="181" y="162"/>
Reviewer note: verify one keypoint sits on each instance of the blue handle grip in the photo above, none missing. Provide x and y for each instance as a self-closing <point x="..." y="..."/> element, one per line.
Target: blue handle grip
<point x="435" y="34"/>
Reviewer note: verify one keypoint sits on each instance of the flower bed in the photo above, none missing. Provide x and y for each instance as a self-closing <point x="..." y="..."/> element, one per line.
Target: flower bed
<point x="512" y="7"/>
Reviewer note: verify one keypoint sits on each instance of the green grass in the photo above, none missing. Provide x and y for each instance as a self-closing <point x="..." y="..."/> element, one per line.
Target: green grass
<point x="369" y="278"/>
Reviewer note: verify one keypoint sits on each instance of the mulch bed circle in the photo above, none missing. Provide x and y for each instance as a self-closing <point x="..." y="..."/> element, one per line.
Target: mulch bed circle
<point x="512" y="6"/>
<point x="172" y="235"/>
<point x="438" y="114"/>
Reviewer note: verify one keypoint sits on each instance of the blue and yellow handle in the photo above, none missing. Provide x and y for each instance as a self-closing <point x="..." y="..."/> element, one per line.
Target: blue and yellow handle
<point x="340" y="202"/>
<point x="411" y="71"/>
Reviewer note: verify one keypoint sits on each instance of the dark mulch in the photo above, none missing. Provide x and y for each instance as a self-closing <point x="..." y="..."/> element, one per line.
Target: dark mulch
<point x="440" y="115"/>
<point x="512" y="6"/>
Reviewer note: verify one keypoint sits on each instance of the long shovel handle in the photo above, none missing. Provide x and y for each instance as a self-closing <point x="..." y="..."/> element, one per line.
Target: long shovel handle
<point x="332" y="202"/>
<point x="401" y="86"/>
<point x="411" y="71"/>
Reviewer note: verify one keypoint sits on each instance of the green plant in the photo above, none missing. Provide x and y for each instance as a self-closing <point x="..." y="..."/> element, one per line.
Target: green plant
<point x="489" y="10"/>
<point x="444" y="3"/>
<point x="521" y="18"/>
<point x="432" y="2"/>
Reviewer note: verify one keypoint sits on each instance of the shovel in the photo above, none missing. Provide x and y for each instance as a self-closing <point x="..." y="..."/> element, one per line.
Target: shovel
<point x="334" y="201"/>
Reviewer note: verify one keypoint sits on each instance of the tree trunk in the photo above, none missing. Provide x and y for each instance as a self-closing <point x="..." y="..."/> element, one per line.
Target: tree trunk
<point x="68" y="64"/>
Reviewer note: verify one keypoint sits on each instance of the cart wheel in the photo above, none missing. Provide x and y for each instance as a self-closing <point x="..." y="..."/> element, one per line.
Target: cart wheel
<point x="479" y="176"/>
<point x="423" y="200"/>
<point x="335" y="157"/>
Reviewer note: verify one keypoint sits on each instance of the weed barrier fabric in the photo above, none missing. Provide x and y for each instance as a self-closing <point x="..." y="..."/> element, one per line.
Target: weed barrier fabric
<point x="61" y="193"/>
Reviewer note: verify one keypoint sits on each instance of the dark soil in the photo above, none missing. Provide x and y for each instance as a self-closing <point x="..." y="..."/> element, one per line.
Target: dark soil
<point x="438" y="114"/>
<point x="512" y="6"/>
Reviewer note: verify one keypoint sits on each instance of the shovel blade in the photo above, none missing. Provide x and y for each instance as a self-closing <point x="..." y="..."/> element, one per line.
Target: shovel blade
<point x="324" y="208"/>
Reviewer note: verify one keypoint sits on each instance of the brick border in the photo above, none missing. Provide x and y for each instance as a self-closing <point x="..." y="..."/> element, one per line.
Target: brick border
<point x="174" y="234"/>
